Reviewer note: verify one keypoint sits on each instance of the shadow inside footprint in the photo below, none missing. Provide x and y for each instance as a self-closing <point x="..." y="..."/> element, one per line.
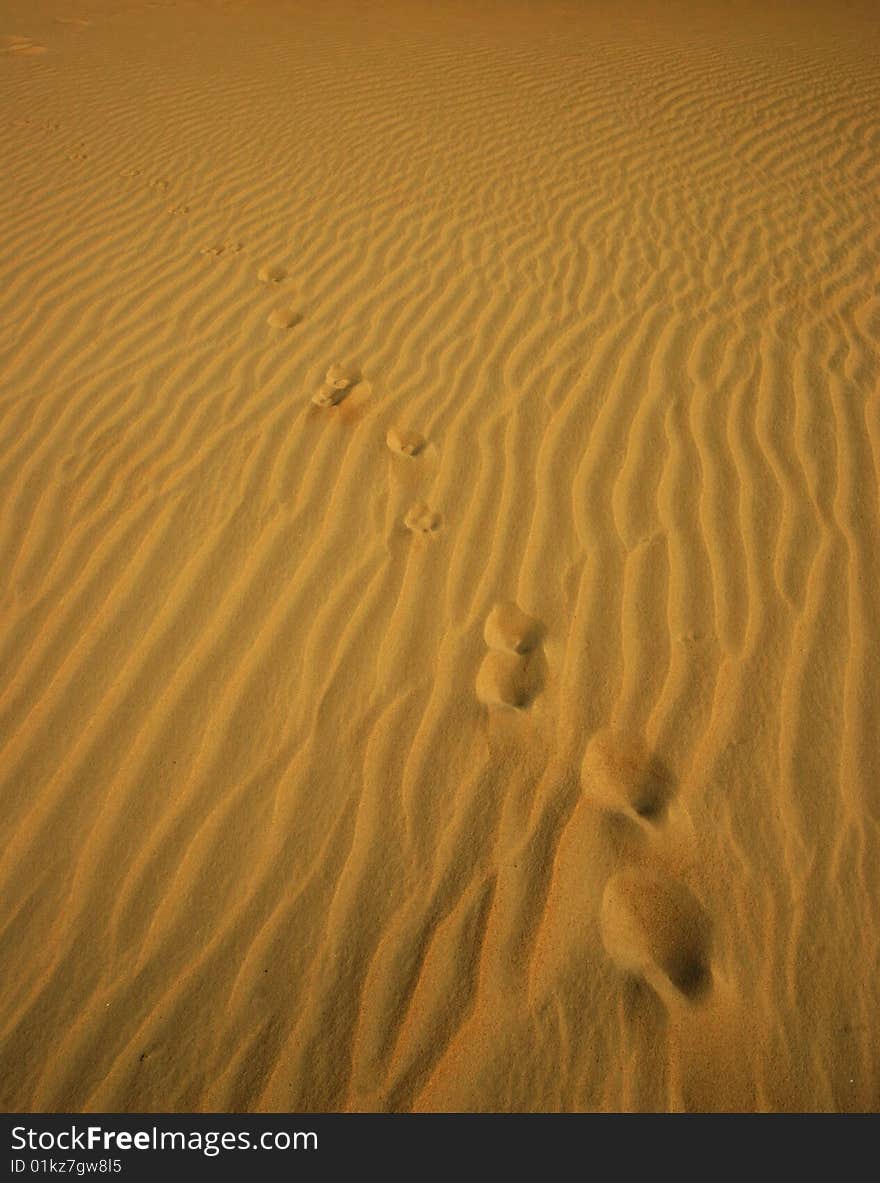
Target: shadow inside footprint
<point x="341" y="382"/>
<point x="511" y="680"/>
<point x="421" y="519"/>
<point x="405" y="443"/>
<point x="509" y="629"/>
<point x="284" y="318"/>
<point x="654" y="926"/>
<point x="622" y="834"/>
<point x="620" y="772"/>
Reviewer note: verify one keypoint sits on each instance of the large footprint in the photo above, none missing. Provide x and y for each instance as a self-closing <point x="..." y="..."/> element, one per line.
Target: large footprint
<point x="653" y="926"/>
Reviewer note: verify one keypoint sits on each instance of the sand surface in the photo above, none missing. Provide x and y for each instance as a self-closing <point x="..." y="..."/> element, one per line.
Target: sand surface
<point x="440" y="594"/>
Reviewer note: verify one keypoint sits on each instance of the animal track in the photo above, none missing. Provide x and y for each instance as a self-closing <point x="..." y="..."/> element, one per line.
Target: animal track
<point x="269" y="274"/>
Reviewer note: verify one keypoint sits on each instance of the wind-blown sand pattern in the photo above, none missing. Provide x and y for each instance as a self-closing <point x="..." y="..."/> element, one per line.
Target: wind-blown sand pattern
<point x="603" y="284"/>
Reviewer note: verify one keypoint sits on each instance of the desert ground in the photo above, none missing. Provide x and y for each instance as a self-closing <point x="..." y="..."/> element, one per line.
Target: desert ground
<point x="439" y="555"/>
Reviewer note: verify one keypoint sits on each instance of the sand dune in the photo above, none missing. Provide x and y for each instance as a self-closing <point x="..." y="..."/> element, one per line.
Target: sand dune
<point x="439" y="506"/>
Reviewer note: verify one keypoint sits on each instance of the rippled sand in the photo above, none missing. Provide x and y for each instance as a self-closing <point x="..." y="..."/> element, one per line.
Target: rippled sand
<point x="440" y="599"/>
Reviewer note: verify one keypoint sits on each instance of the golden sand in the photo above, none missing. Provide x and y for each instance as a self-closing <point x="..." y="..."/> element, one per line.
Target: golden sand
<point x="440" y="619"/>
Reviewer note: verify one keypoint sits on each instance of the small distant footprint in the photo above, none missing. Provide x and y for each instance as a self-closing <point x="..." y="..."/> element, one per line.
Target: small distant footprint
<point x="653" y="926"/>
<point x="271" y="274"/>
<point x="339" y="377"/>
<point x="215" y="250"/>
<point x="77" y="155"/>
<point x="21" y="46"/>
<point x="284" y="318"/>
<point x="341" y="382"/>
<point x="405" y="443"/>
<point x="161" y="184"/>
<point x="130" y="172"/>
<point x="421" y="519"/>
<point x="178" y="210"/>
<point x="620" y="773"/>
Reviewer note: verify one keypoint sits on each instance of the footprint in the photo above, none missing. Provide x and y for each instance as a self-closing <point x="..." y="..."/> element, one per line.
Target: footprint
<point x="284" y="318"/>
<point x="421" y="519"/>
<point x="77" y="155"/>
<point x="405" y="443"/>
<point x="620" y="772"/>
<point x="161" y="184"/>
<point x="655" y="927"/>
<point x="328" y="397"/>
<point x="130" y="172"/>
<point x="354" y="396"/>
<point x="223" y="248"/>
<point x="179" y="210"/>
<point x="509" y="680"/>
<point x="21" y="46"/>
<point x="340" y="377"/>
<point x="339" y="383"/>
<point x="510" y="630"/>
<point x="270" y="274"/>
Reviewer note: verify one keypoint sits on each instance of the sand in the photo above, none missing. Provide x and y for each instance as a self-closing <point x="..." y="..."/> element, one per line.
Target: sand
<point x="440" y="619"/>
